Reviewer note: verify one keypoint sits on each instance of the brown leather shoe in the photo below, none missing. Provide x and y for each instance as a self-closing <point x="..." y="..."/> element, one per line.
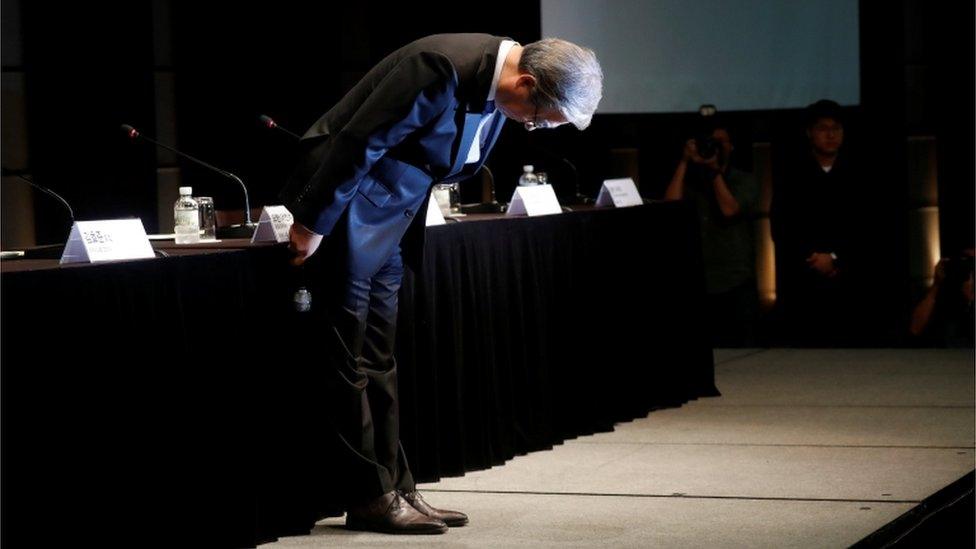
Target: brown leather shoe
<point x="390" y="514"/>
<point x="450" y="518"/>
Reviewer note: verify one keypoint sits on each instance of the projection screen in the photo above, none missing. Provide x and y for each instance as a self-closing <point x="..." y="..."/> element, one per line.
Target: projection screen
<point x="674" y="55"/>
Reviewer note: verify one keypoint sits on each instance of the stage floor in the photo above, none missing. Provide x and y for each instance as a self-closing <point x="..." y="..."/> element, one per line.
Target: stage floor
<point x="806" y="448"/>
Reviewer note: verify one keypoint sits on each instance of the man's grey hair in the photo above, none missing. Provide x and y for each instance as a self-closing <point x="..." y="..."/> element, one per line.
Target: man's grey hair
<point x="568" y="78"/>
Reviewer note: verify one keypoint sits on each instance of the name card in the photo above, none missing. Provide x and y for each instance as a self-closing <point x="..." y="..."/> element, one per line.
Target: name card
<point x="434" y="214"/>
<point x="619" y="193"/>
<point x="107" y="240"/>
<point x="274" y="224"/>
<point x="534" y="200"/>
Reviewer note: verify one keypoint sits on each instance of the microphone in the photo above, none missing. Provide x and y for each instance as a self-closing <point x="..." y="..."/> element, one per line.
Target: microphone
<point x="269" y="123"/>
<point x="302" y="299"/>
<point x="578" y="197"/>
<point x="488" y="191"/>
<point x="47" y="251"/>
<point x="45" y="190"/>
<point x="134" y="134"/>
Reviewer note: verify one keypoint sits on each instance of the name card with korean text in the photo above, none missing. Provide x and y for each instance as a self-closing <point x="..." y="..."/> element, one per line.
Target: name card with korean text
<point x="106" y="240"/>
<point x="619" y="193"/>
<point x="274" y="224"/>
<point x="534" y="200"/>
<point x="434" y="214"/>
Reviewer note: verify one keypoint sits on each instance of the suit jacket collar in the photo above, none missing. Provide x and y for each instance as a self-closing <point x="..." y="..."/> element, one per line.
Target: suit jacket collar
<point x="484" y="75"/>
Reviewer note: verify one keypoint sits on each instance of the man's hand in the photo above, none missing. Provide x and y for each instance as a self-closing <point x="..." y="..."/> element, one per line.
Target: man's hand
<point x="302" y="243"/>
<point x="823" y="264"/>
<point x="940" y="273"/>
<point x="691" y="152"/>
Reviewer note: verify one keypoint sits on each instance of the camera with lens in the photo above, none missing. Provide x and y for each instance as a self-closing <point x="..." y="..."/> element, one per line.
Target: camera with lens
<point x="707" y="145"/>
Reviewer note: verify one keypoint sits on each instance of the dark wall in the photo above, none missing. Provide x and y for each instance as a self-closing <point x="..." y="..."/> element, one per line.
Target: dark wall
<point x="945" y="46"/>
<point x="85" y="74"/>
<point x="90" y="68"/>
<point x="231" y="67"/>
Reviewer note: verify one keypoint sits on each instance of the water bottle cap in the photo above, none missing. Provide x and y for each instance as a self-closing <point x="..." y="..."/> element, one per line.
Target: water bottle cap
<point x="186" y="191"/>
<point x="528" y="167"/>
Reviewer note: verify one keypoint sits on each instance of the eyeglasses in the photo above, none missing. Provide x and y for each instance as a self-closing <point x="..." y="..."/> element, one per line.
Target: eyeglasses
<point x="535" y="123"/>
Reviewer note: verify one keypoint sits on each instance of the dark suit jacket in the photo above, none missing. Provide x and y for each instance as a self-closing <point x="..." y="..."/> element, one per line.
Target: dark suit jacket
<point x="370" y="161"/>
<point x="815" y="211"/>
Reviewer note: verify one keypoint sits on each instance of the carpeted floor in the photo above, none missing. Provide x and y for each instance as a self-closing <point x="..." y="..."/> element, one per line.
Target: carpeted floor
<point x="806" y="448"/>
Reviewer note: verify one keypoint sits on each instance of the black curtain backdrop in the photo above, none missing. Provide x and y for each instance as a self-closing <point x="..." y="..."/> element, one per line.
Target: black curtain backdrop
<point x="947" y="30"/>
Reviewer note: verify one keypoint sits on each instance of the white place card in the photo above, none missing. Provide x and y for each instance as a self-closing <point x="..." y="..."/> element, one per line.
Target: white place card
<point x="434" y="214"/>
<point x="619" y="193"/>
<point x="106" y="240"/>
<point x="274" y="224"/>
<point x="534" y="200"/>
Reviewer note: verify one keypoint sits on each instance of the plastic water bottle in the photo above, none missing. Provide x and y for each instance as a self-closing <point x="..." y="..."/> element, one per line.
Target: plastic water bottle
<point x="186" y="218"/>
<point x="528" y="178"/>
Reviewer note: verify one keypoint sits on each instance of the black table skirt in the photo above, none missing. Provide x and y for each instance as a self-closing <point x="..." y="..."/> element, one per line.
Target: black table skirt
<point x="181" y="395"/>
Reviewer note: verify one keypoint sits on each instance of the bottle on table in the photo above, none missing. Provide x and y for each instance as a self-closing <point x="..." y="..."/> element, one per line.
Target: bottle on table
<point x="186" y="218"/>
<point x="528" y="178"/>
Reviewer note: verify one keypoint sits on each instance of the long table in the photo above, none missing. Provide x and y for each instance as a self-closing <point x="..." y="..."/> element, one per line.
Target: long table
<point x="183" y="395"/>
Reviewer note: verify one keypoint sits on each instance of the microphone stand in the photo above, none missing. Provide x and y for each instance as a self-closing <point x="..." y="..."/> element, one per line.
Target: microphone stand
<point x="47" y="251"/>
<point x="302" y="298"/>
<point x="578" y="197"/>
<point x="243" y="230"/>
<point x="485" y="206"/>
<point x="49" y="192"/>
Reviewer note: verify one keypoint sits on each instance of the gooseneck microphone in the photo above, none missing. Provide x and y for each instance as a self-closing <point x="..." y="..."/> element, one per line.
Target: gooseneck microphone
<point x="45" y="190"/>
<point x="269" y="123"/>
<point x="488" y="194"/>
<point x="134" y="134"/>
<point x="302" y="300"/>
<point x="578" y="197"/>
<point x="47" y="251"/>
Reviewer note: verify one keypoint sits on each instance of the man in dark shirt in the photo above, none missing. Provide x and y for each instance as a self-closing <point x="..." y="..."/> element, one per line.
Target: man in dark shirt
<point x="726" y="200"/>
<point x="821" y="256"/>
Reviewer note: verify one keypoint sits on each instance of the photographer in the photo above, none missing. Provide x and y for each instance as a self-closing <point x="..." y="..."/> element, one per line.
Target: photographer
<point x="726" y="200"/>
<point x="944" y="317"/>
